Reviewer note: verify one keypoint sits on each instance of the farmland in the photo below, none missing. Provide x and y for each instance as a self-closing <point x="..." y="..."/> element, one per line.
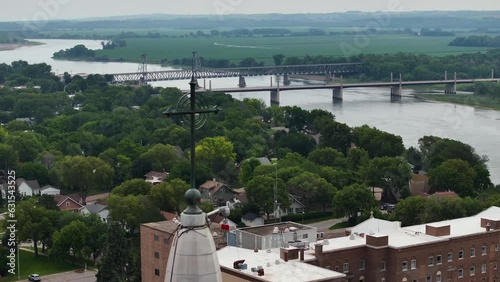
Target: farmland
<point x="263" y="48"/>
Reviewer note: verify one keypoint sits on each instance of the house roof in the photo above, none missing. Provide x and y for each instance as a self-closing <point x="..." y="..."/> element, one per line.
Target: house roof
<point x="60" y="199"/>
<point x="95" y="208"/>
<point x="250" y="216"/>
<point x="296" y="198"/>
<point x="215" y="218"/>
<point x="33" y="184"/>
<point x="156" y="174"/>
<point x="180" y="152"/>
<point x="168" y="215"/>
<point x="213" y="186"/>
<point x="48" y="187"/>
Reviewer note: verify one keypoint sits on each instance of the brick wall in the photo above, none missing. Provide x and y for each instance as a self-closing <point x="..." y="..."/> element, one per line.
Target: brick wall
<point x="155" y="249"/>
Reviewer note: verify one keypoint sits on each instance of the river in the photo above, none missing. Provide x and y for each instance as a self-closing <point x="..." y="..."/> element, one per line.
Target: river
<point x="409" y="118"/>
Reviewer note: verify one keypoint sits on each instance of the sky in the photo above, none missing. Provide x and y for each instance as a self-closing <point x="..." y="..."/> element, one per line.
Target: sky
<point x="32" y="10"/>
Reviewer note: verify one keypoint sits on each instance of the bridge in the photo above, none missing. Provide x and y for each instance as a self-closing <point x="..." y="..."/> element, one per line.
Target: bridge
<point x="285" y="70"/>
<point x="337" y="88"/>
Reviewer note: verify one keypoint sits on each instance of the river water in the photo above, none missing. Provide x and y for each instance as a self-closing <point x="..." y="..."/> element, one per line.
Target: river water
<point x="409" y="118"/>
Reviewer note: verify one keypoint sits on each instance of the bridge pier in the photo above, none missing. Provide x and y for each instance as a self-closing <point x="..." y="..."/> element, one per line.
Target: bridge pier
<point x="450" y="89"/>
<point x="396" y="92"/>
<point x="242" y="82"/>
<point x="338" y="94"/>
<point x="275" y="97"/>
<point x="286" y="79"/>
<point x="328" y="77"/>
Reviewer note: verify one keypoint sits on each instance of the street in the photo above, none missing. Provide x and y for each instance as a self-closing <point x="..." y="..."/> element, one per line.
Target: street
<point x="86" y="276"/>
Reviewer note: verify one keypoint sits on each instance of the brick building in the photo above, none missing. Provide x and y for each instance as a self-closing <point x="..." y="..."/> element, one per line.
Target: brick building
<point x="155" y="247"/>
<point x="464" y="249"/>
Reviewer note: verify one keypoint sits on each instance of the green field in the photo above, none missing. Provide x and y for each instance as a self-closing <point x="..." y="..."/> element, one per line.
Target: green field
<point x="263" y="48"/>
<point x="41" y="265"/>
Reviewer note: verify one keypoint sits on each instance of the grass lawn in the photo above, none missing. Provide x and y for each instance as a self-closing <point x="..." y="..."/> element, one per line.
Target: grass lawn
<point x="41" y="265"/>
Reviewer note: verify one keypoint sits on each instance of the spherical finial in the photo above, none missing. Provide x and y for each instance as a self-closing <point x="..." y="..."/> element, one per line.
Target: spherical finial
<point x="193" y="198"/>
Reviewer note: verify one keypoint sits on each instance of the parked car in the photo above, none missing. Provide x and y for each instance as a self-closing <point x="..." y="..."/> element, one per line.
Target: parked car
<point x="34" y="277"/>
<point x="387" y="207"/>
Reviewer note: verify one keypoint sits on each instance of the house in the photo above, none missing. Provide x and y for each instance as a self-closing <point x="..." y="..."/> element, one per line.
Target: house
<point x="252" y="219"/>
<point x="49" y="190"/>
<point x="68" y="202"/>
<point x="180" y="152"/>
<point x="233" y="203"/>
<point x="218" y="219"/>
<point x="98" y="209"/>
<point x="262" y="161"/>
<point x="419" y="184"/>
<point x="295" y="205"/>
<point x="444" y="195"/>
<point x="168" y="215"/>
<point x="156" y="177"/>
<point x="217" y="192"/>
<point x="27" y="187"/>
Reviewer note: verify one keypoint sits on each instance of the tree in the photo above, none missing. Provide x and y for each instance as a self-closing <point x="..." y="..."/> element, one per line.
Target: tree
<point x="134" y="187"/>
<point x="162" y="157"/>
<point x="126" y="210"/>
<point x="357" y="158"/>
<point x="169" y="196"/>
<point x="115" y="255"/>
<point x="411" y="211"/>
<point x="70" y="242"/>
<point x="391" y="174"/>
<point x="26" y="144"/>
<point x="260" y="190"/>
<point x="278" y="59"/>
<point x="215" y="150"/>
<point x="327" y="157"/>
<point x="96" y="235"/>
<point x="337" y="136"/>
<point x="353" y="200"/>
<point x="31" y="221"/>
<point x="247" y="168"/>
<point x="8" y="157"/>
<point x="84" y="173"/>
<point x="47" y="202"/>
<point x="297" y="142"/>
<point x="311" y="188"/>
<point x="378" y="143"/>
<point x="454" y="175"/>
<point x="33" y="171"/>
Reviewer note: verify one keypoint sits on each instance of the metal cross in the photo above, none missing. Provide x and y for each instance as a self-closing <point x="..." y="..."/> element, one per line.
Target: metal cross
<point x="188" y="105"/>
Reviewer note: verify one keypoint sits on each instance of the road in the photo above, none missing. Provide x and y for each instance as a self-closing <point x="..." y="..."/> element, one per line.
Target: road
<point x="323" y="226"/>
<point x="87" y="276"/>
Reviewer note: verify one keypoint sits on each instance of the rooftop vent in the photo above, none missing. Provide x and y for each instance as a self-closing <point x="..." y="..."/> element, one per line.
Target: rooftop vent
<point x="276" y="230"/>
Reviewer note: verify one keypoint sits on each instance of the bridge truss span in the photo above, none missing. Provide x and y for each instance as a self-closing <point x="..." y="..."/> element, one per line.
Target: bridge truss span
<point x="318" y="69"/>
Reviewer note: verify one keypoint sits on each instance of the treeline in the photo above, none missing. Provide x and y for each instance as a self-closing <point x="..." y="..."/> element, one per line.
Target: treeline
<point x="80" y="52"/>
<point x="476" y="41"/>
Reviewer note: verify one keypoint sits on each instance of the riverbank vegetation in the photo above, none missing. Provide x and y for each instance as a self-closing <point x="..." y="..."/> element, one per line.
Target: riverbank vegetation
<point x="477" y="41"/>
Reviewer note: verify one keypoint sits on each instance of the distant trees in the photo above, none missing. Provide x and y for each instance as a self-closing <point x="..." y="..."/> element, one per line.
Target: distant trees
<point x="353" y="200"/>
<point x="476" y="41"/>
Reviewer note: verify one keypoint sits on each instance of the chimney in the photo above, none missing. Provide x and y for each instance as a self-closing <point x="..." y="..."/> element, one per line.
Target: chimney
<point x="301" y="252"/>
<point x="488" y="226"/>
<point x="318" y="249"/>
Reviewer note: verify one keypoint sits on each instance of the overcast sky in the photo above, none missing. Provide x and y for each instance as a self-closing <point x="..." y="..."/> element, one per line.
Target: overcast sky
<point x="14" y="10"/>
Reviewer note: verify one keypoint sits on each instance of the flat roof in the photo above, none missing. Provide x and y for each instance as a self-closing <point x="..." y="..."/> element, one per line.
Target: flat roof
<point x="163" y="226"/>
<point x="265" y="230"/>
<point x="291" y="271"/>
<point x="403" y="237"/>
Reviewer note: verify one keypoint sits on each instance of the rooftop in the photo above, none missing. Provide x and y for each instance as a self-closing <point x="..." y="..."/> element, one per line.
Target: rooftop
<point x="291" y="271"/>
<point x="163" y="226"/>
<point x="403" y="237"/>
<point x="265" y="230"/>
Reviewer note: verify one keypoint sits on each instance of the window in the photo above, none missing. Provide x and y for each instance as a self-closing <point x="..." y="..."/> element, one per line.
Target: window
<point x="495" y="265"/>
<point x="413" y="264"/>
<point x="382" y="280"/>
<point x="157" y="272"/>
<point x="483" y="250"/>
<point x="165" y="241"/>
<point x="362" y="264"/>
<point x="67" y="204"/>
<point x="438" y="277"/>
<point x="414" y="280"/>
<point x="472" y="271"/>
<point x="405" y="265"/>
<point x="496" y="248"/>
<point x="428" y="278"/>
<point x="460" y="273"/>
<point x="439" y="259"/>
<point x="472" y="252"/>
<point x="157" y="255"/>
<point x="461" y="254"/>
<point x="305" y="236"/>
<point x="483" y="268"/>
<point x="431" y="260"/>
<point x="450" y="256"/>
<point x="382" y="266"/>
<point x="345" y="268"/>
<point x="156" y="238"/>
